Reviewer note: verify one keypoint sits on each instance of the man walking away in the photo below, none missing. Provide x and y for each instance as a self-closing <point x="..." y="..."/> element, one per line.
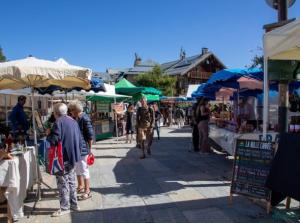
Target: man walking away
<point x="145" y="120"/>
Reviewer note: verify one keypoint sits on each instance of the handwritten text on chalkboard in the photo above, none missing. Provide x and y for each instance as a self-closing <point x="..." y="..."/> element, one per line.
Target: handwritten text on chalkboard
<point x="251" y="168"/>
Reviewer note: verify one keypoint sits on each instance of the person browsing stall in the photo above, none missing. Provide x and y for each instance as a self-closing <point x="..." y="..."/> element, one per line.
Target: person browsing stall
<point x="203" y="115"/>
<point x="66" y="131"/>
<point x="18" y="118"/>
<point x="87" y="134"/>
<point x="129" y="123"/>
<point x="247" y="110"/>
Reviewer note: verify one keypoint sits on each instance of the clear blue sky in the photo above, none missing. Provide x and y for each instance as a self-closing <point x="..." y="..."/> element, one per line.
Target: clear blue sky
<point x="105" y="33"/>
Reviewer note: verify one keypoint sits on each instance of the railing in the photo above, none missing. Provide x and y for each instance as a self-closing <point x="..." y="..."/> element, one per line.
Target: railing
<point x="200" y="75"/>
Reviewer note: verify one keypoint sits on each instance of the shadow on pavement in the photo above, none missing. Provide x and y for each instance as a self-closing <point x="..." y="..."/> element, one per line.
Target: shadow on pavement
<point x="170" y="168"/>
<point x="185" y="129"/>
<point x="208" y="210"/>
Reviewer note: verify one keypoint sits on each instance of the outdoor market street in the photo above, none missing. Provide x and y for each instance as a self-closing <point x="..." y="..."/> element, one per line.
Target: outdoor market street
<point x="174" y="185"/>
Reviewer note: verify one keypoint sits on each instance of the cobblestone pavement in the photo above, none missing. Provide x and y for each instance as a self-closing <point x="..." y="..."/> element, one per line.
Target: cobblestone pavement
<point x="174" y="185"/>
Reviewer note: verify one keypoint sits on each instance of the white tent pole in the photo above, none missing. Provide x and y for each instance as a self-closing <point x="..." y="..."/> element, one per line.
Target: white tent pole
<point x="39" y="176"/>
<point x="33" y="117"/>
<point x="266" y="98"/>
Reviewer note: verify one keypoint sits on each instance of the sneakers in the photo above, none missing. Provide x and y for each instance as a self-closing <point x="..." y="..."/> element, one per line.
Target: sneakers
<point x="75" y="208"/>
<point x="60" y="212"/>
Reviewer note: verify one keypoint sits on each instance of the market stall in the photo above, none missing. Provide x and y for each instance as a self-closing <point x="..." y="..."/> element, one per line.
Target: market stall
<point x="107" y="111"/>
<point x="35" y="73"/>
<point x="235" y="108"/>
<point x="17" y="175"/>
<point x="282" y="65"/>
<point x="104" y="115"/>
<point x="99" y="105"/>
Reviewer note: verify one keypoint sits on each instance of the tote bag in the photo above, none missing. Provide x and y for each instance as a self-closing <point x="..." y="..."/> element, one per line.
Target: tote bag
<point x="55" y="159"/>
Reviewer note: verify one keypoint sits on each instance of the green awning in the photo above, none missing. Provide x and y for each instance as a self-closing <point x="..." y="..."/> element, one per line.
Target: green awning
<point x="123" y="83"/>
<point x="108" y="98"/>
<point x="129" y="91"/>
<point x="127" y="88"/>
<point x="150" y="97"/>
<point x="151" y="90"/>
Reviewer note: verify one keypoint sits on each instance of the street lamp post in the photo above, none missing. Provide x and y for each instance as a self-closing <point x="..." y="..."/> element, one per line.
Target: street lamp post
<point x="283" y="87"/>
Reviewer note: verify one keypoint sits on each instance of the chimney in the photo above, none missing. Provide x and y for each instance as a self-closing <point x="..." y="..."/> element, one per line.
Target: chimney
<point x="137" y="60"/>
<point x="182" y="54"/>
<point x="204" y="50"/>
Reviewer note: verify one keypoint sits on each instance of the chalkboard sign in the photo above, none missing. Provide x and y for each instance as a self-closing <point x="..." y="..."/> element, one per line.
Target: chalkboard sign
<point x="252" y="163"/>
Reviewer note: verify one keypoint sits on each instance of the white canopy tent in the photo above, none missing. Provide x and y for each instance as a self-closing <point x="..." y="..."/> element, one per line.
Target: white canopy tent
<point x="191" y="89"/>
<point x="280" y="44"/>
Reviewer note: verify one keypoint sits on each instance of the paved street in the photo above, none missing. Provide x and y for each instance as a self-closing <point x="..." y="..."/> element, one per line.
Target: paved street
<point x="175" y="185"/>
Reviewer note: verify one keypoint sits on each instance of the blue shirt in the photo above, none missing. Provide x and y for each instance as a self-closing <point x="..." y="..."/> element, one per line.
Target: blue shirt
<point x="18" y="119"/>
<point x="67" y="131"/>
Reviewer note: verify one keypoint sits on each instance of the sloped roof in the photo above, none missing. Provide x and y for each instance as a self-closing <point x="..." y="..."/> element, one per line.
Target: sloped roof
<point x="180" y="67"/>
<point x="139" y="69"/>
<point x="102" y="75"/>
<point x="147" y="63"/>
<point x="167" y="65"/>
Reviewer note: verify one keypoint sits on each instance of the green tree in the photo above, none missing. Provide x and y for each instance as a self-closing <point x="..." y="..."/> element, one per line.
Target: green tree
<point x="157" y="79"/>
<point x="2" y="57"/>
<point x="258" y="59"/>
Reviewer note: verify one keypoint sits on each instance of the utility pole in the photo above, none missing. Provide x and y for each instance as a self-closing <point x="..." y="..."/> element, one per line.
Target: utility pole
<point x="283" y="87"/>
<point x="282" y="10"/>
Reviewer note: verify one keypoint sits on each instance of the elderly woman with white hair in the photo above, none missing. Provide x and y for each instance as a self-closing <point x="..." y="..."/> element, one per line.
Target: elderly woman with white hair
<point x="66" y="130"/>
<point x="87" y="135"/>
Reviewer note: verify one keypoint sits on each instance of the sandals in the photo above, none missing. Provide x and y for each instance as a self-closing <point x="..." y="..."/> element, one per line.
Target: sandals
<point x="85" y="196"/>
<point x="80" y="190"/>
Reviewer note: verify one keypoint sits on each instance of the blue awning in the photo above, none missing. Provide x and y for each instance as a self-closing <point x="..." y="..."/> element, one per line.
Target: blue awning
<point x="206" y="90"/>
<point x="227" y="78"/>
<point x="234" y="74"/>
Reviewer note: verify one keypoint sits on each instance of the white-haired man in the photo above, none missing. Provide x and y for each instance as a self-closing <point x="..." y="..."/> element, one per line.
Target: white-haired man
<point x="66" y="130"/>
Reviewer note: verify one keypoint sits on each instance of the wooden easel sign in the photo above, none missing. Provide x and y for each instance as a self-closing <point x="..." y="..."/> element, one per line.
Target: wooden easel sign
<point x="252" y="163"/>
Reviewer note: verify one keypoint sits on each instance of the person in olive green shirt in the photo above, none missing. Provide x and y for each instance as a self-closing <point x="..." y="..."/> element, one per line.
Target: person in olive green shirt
<point x="145" y="119"/>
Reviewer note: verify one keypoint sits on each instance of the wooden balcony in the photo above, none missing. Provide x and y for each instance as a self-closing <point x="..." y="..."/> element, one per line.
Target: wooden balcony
<point x="199" y="75"/>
